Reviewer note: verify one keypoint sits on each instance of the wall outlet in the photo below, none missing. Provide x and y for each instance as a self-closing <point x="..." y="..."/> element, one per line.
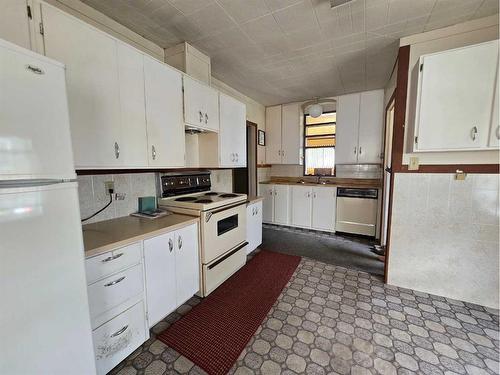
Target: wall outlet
<point x="120" y="196"/>
<point x="413" y="165"/>
<point x="109" y="185"/>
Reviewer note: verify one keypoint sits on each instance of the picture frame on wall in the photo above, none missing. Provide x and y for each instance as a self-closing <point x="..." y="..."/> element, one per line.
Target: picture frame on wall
<point x="261" y="138"/>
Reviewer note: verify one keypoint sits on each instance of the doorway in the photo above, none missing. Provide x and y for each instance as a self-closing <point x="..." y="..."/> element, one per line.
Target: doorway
<point x="245" y="179"/>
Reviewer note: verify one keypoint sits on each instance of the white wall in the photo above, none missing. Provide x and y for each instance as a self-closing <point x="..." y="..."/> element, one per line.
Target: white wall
<point x="445" y="236"/>
<point x="464" y="34"/>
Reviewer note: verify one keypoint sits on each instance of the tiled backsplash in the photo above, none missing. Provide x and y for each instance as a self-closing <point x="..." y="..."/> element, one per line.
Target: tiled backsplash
<point x="445" y="236"/>
<point x="347" y="171"/>
<point x="93" y="196"/>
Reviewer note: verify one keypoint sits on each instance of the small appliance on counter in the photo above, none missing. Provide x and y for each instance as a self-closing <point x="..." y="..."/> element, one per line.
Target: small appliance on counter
<point x="148" y="209"/>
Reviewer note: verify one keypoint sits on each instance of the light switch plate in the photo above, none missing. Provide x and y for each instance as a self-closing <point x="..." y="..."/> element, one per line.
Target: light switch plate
<point x="413" y="165"/>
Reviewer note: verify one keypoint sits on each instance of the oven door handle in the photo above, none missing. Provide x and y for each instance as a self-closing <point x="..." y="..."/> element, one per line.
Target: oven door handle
<point x="210" y="213"/>
<point x="241" y="246"/>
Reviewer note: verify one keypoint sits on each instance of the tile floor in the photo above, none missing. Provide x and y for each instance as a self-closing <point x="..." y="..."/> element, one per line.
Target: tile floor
<point x="332" y="320"/>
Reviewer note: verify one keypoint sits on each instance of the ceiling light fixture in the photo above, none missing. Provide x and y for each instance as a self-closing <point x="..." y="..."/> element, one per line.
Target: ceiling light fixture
<point x="314" y="107"/>
<point x="315" y="110"/>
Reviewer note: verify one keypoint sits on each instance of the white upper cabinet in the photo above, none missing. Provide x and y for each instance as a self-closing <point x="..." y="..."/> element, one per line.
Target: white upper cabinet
<point x="455" y="98"/>
<point x="359" y="128"/>
<point x="273" y="135"/>
<point x="232" y="132"/>
<point x="371" y="123"/>
<point x="165" y="129"/>
<point x="495" y="126"/>
<point x="347" y="129"/>
<point x="283" y="134"/>
<point x="91" y="63"/>
<point x="14" y="23"/>
<point x="201" y="105"/>
<point x="134" y="144"/>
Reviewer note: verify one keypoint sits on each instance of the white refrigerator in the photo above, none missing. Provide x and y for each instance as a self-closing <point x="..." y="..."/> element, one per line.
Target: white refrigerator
<point x="44" y="313"/>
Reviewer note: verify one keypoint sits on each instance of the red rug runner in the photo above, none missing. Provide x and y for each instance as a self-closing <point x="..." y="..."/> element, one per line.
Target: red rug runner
<point x="215" y="332"/>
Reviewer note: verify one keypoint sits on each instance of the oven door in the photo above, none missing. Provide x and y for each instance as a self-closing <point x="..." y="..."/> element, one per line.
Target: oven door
<point x="222" y="230"/>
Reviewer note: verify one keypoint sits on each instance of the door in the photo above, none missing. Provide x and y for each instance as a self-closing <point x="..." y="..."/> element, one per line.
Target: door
<point x="268" y="203"/>
<point x="347" y="129"/>
<point x="92" y="84"/>
<point x="166" y="140"/>
<point x="301" y="206"/>
<point x="273" y="135"/>
<point x="36" y="143"/>
<point x="371" y="119"/>
<point x="232" y="132"/>
<point x="389" y="122"/>
<point x="281" y="204"/>
<point x="43" y="283"/>
<point x="14" y="25"/>
<point x="290" y="133"/>
<point x="159" y="263"/>
<point x="134" y="143"/>
<point x="187" y="263"/>
<point x="454" y="98"/>
<point x="323" y="208"/>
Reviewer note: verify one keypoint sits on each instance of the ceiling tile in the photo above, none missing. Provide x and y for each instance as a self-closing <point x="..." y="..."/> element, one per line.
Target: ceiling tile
<point x="304" y="38"/>
<point x="296" y="17"/>
<point x="487" y="8"/>
<point x="190" y="6"/>
<point x="280" y="4"/>
<point x="211" y="19"/>
<point x="262" y="29"/>
<point x="245" y="10"/>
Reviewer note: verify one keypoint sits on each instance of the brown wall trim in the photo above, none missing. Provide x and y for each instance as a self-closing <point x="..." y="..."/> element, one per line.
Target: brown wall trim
<point x="84" y="172"/>
<point x="264" y="165"/>
<point x="452" y="168"/>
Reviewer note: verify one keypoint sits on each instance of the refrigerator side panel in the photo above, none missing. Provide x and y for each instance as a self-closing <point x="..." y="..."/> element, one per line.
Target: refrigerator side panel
<point x="45" y="313"/>
<point x="35" y="137"/>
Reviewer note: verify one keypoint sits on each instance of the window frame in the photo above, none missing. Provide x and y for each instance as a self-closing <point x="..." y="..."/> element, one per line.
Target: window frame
<point x="304" y="147"/>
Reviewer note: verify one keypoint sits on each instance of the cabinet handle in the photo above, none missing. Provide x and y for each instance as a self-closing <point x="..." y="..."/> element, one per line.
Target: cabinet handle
<point x="360" y="150"/>
<point x="498" y="132"/>
<point x="282" y="152"/>
<point x="473" y="133"/>
<point x="179" y="242"/>
<point x="314" y="195"/>
<point x="355" y="150"/>
<point x="201" y="116"/>
<point x="115" y="282"/>
<point x="153" y="152"/>
<point x="170" y="244"/>
<point x="117" y="150"/>
<point x="112" y="257"/>
<point x="35" y="69"/>
<point x="120" y="331"/>
<point x="206" y="118"/>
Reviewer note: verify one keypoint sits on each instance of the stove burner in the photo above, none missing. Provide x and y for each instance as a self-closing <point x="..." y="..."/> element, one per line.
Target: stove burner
<point x="212" y="193"/>
<point x="204" y="201"/>
<point x="228" y="195"/>
<point x="186" y="199"/>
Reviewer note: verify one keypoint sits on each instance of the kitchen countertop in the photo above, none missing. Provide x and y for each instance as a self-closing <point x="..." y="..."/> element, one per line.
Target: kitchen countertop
<point x="106" y="235"/>
<point x="254" y="198"/>
<point x="331" y="181"/>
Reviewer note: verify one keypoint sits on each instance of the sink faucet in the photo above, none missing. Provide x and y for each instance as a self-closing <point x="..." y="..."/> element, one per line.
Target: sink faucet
<point x="319" y="180"/>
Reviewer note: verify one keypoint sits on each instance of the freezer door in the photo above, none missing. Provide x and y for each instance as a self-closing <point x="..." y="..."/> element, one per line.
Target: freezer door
<point x="45" y="313"/>
<point x="34" y="123"/>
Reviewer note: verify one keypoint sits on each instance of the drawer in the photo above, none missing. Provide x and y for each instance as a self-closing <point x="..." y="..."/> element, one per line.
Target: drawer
<point x="217" y="272"/>
<point x="119" y="337"/>
<point x="113" y="261"/>
<point x="114" y="290"/>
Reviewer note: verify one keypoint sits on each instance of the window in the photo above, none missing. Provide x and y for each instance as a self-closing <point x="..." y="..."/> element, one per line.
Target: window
<point x="319" y="144"/>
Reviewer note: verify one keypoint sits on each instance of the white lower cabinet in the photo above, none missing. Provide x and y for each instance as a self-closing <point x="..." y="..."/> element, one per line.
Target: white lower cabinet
<point x="300" y="206"/>
<point x="172" y="271"/>
<point x="116" y="339"/>
<point x="254" y="226"/>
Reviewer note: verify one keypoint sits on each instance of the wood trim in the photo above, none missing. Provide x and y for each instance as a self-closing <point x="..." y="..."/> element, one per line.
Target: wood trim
<point x="254" y="125"/>
<point x="452" y="168"/>
<point x="264" y="165"/>
<point x="85" y="172"/>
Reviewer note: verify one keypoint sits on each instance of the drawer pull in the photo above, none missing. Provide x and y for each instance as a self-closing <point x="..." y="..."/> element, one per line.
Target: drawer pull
<point x="35" y="69"/>
<point x="115" y="282"/>
<point x="120" y="331"/>
<point x="113" y="257"/>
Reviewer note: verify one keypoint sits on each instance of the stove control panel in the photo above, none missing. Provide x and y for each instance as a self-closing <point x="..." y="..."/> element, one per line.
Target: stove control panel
<point x="178" y="184"/>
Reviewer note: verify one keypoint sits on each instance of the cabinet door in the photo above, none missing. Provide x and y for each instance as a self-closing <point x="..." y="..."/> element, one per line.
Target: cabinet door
<point x="290" y="132"/>
<point x="495" y="126"/>
<point x="371" y="122"/>
<point x="301" y="206"/>
<point x="323" y="208"/>
<point x="159" y="262"/>
<point x="211" y="109"/>
<point x="92" y="84"/>
<point x="454" y="98"/>
<point x="346" y="148"/>
<point x="134" y="144"/>
<point x="166" y="140"/>
<point x="195" y="102"/>
<point x="281" y="204"/>
<point x="14" y="23"/>
<point x="232" y="132"/>
<point x="187" y="263"/>
<point x="273" y="135"/>
<point x="254" y="226"/>
<point x="268" y="203"/>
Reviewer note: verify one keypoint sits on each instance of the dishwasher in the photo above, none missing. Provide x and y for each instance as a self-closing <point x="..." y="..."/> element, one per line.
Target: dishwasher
<point x="357" y="211"/>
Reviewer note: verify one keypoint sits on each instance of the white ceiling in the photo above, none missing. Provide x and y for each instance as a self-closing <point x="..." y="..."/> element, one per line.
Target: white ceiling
<point x="278" y="51"/>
